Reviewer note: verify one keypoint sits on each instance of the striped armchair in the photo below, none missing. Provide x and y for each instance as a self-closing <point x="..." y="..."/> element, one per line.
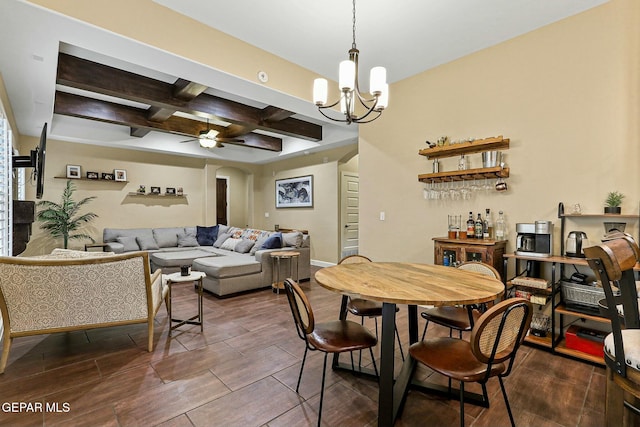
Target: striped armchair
<point x="68" y="291"/>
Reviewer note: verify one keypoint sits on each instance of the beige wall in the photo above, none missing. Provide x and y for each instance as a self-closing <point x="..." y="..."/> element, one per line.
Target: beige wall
<point x="322" y="219"/>
<point x="251" y="192"/>
<point x="113" y="204"/>
<point x="567" y="97"/>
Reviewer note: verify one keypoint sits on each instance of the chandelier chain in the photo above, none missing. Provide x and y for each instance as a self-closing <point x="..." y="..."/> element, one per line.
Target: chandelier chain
<point x="353" y="45"/>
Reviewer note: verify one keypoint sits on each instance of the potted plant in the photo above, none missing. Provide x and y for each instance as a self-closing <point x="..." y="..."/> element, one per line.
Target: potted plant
<point x="613" y="202"/>
<point x="62" y="220"/>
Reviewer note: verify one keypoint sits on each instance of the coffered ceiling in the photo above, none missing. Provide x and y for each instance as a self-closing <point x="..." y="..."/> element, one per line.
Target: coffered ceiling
<point x="97" y="87"/>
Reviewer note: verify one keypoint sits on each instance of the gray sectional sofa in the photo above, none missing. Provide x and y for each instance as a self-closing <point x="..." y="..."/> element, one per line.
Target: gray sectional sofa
<point x="234" y="259"/>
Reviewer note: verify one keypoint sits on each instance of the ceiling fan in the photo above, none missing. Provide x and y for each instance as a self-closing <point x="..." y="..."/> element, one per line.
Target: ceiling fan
<point x="209" y="138"/>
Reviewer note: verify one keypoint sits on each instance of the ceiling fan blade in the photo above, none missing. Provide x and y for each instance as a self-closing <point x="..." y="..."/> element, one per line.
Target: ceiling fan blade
<point x="229" y="140"/>
<point x="188" y="140"/>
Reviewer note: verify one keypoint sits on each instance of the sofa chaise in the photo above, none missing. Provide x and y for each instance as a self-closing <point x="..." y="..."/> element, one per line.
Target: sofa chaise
<point x="234" y="259"/>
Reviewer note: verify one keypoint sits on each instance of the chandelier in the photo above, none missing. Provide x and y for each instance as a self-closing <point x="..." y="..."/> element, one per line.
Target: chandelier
<point x="350" y="95"/>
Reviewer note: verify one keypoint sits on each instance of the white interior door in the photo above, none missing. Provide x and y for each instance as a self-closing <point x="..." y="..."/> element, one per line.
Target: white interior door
<point x="349" y="219"/>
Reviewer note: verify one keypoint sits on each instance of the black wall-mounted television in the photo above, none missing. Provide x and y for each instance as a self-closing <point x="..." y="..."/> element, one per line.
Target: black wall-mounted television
<point x="35" y="160"/>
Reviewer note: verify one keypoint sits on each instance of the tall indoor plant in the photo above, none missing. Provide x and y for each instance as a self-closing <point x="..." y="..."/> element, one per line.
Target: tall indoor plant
<point x="62" y="220"/>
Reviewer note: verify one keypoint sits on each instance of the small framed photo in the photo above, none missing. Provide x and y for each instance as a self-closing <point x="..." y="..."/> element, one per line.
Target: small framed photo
<point x="73" y="172"/>
<point x="155" y="190"/>
<point x="92" y="175"/>
<point x="120" y="174"/>
<point x="171" y="191"/>
<point x="179" y="191"/>
<point x="108" y="176"/>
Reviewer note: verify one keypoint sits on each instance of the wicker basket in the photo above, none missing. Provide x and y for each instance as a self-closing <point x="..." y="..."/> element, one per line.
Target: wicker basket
<point x="581" y="295"/>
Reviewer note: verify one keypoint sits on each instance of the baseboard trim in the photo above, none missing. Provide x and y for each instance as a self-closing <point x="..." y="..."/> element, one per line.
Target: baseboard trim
<point x="317" y="263"/>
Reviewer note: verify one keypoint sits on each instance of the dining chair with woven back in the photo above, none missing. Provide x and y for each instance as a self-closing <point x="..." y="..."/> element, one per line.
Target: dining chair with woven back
<point x="490" y="351"/>
<point x="460" y="318"/>
<point x="337" y="336"/>
<point x="613" y="262"/>
<point x="366" y="308"/>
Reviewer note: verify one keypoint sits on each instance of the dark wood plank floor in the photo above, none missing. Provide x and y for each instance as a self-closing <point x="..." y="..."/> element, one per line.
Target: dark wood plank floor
<point x="242" y="371"/>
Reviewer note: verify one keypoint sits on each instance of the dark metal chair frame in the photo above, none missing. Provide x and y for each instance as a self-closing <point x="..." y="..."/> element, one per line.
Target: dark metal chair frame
<point x="364" y="308"/>
<point x="306" y="329"/>
<point x="488" y="365"/>
<point x="461" y="318"/>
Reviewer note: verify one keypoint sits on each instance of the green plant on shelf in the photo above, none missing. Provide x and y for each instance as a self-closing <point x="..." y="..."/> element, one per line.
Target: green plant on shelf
<point x="614" y="199"/>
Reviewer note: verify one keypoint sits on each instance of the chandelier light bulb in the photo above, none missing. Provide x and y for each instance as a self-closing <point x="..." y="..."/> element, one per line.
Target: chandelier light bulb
<point x="347" y="76"/>
<point x="320" y="91"/>
<point x="377" y="80"/>
<point x="383" y="99"/>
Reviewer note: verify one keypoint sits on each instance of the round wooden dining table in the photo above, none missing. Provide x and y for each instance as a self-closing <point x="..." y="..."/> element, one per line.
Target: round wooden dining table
<point x="403" y="283"/>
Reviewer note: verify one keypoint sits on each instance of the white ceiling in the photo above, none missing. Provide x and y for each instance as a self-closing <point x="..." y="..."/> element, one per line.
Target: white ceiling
<point x="405" y="36"/>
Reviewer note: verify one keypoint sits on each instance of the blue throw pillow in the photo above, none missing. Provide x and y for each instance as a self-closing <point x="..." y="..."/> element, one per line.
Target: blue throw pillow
<point x="273" y="242"/>
<point x="206" y="236"/>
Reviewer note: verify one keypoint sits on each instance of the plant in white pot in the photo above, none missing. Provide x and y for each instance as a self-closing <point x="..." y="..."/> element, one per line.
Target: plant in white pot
<point x="612" y="202"/>
<point x="62" y="220"/>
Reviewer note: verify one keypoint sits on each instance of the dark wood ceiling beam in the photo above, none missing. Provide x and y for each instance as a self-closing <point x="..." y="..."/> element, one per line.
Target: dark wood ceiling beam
<point x="187" y="90"/>
<point x="93" y="109"/>
<point x="182" y="89"/>
<point x="90" y="76"/>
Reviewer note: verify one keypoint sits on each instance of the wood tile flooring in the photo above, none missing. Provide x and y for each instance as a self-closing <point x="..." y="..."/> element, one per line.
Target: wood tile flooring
<point x="242" y="371"/>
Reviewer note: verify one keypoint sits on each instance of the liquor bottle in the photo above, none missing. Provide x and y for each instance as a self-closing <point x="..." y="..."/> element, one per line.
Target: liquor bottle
<point x="501" y="231"/>
<point x="471" y="226"/>
<point x="488" y="222"/>
<point x="479" y="225"/>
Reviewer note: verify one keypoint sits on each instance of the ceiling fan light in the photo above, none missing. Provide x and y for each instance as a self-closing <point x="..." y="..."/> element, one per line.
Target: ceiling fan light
<point x="208" y="143"/>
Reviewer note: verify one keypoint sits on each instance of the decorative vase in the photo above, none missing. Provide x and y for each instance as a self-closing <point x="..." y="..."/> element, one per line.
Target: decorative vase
<point x="612" y="210"/>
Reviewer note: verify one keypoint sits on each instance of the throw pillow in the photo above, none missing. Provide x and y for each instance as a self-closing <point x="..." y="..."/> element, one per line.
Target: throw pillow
<point x="292" y="239"/>
<point x="273" y="242"/>
<point x="258" y="245"/>
<point x="187" y="240"/>
<point x="230" y="243"/>
<point x="244" y="246"/>
<point x="206" y="236"/>
<point x="147" y="243"/>
<point x="220" y="240"/>
<point x="129" y="243"/>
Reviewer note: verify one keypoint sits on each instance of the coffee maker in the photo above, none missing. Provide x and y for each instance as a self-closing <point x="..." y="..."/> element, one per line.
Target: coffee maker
<point x="534" y="239"/>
